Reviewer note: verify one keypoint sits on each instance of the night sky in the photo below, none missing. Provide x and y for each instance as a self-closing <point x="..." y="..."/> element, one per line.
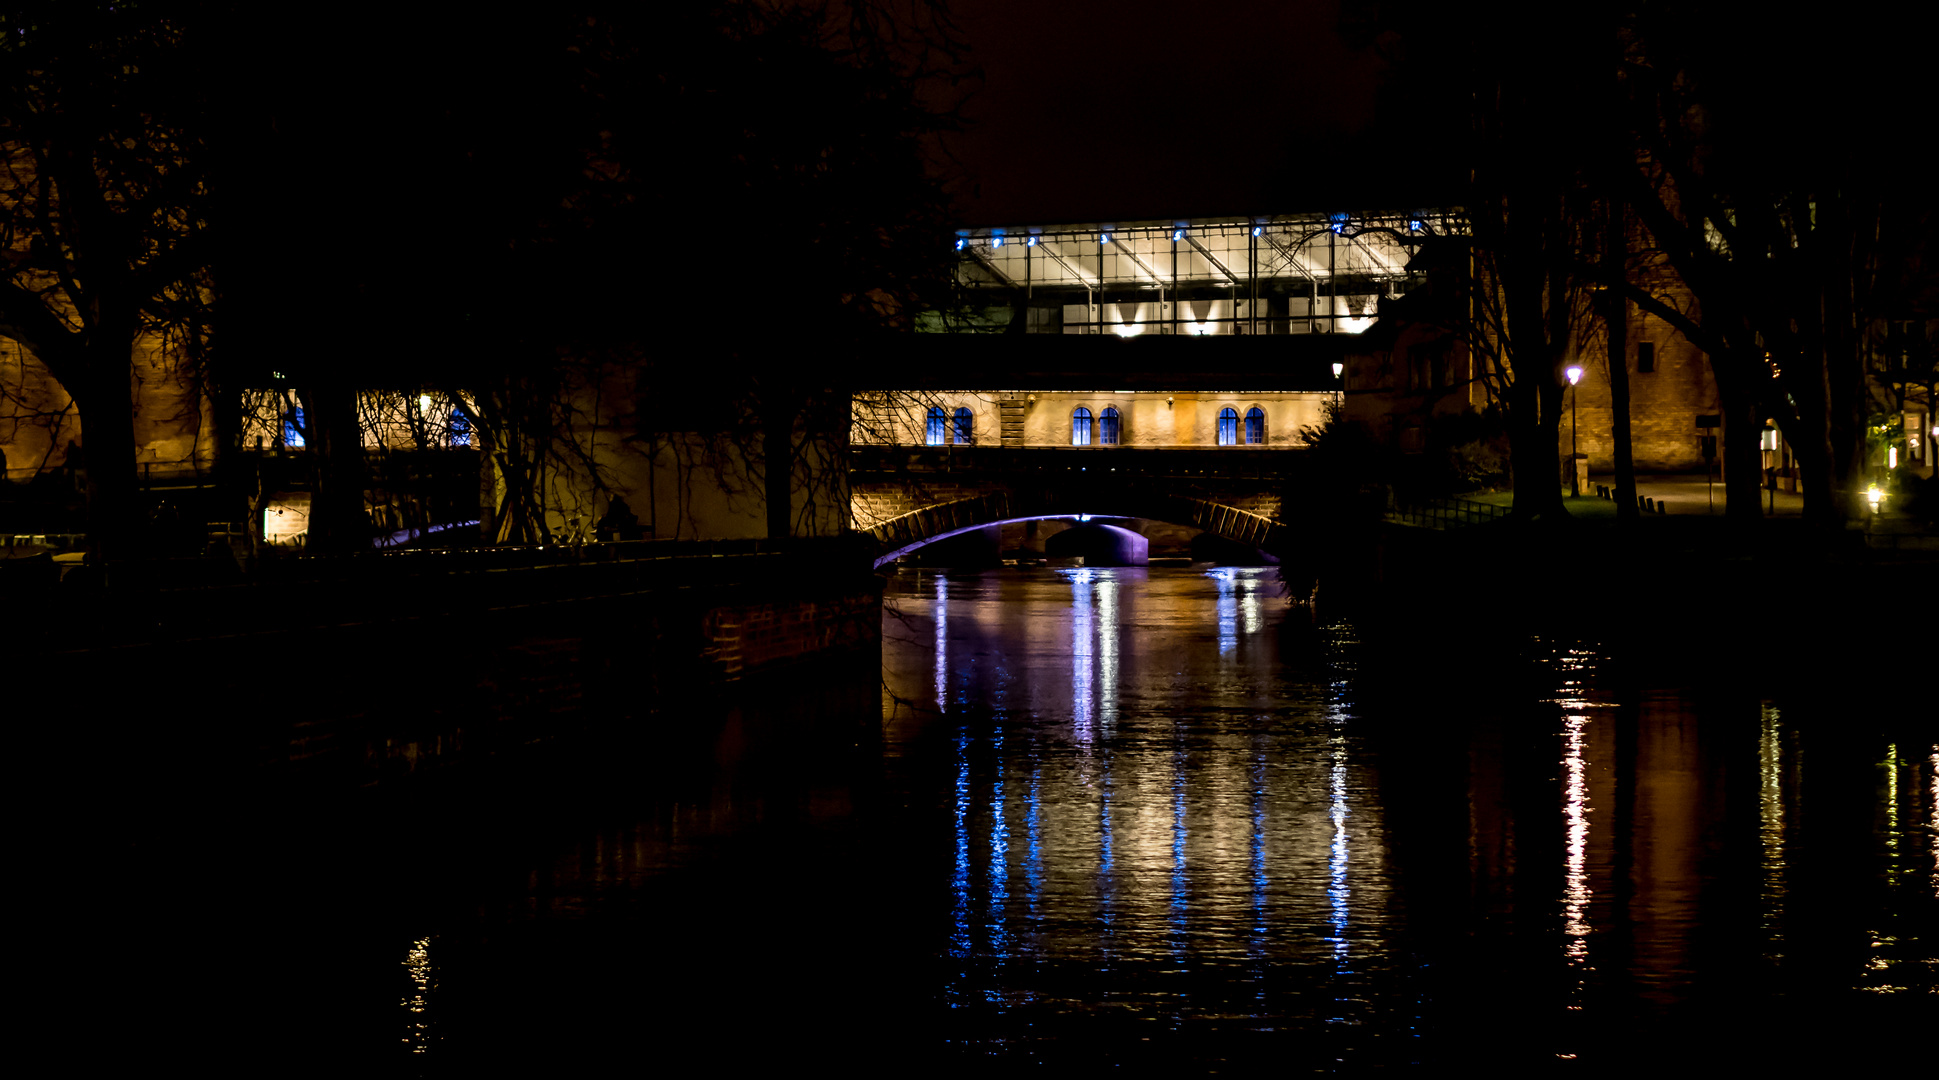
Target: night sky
<point x="1096" y="110"/>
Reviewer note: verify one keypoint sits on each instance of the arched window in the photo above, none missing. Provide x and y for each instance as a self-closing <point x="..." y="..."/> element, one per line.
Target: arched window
<point x="1107" y="427"/>
<point x="1228" y="427"/>
<point x="460" y="428"/>
<point x="938" y="424"/>
<point x="293" y="428"/>
<point x="1080" y="427"/>
<point x="965" y="427"/>
<point x="1255" y="426"/>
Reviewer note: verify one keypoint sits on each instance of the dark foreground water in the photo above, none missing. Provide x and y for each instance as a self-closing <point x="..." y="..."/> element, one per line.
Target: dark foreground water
<point x="1110" y="818"/>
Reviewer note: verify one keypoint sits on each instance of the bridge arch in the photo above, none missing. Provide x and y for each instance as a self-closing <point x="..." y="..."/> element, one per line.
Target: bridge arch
<point x="897" y="536"/>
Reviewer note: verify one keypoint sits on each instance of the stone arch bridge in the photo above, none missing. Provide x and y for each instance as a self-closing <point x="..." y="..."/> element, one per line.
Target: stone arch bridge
<point x="905" y="498"/>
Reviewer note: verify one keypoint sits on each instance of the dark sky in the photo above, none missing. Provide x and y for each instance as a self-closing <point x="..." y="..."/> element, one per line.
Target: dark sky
<point x="1095" y="110"/>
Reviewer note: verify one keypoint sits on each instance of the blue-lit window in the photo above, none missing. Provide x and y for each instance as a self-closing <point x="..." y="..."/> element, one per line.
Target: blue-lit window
<point x="965" y="427"/>
<point x="1228" y="427"/>
<point x="938" y="426"/>
<point x="460" y="429"/>
<point x="1107" y="427"/>
<point x="1255" y="426"/>
<point x="1080" y="428"/>
<point x="293" y="428"/>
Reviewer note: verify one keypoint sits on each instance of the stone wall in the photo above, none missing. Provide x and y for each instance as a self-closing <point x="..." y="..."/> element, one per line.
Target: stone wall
<point x="1663" y="404"/>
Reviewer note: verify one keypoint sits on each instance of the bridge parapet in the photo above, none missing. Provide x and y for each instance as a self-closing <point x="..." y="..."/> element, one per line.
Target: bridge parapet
<point x="921" y="525"/>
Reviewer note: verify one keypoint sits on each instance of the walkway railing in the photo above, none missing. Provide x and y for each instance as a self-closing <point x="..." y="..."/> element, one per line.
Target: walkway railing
<point x="1445" y="513"/>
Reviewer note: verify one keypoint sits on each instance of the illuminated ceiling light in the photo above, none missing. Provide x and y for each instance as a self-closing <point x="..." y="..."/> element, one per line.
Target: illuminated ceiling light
<point x="1340" y="224"/>
<point x="1416" y="225"/>
<point x="1177" y="236"/>
<point x="1105" y="239"/>
<point x="1032" y="242"/>
<point x="960" y="242"/>
<point x="996" y="242"/>
<point x="1258" y="230"/>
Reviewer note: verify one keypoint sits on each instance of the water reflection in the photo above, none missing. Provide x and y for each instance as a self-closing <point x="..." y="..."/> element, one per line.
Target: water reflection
<point x="417" y="965"/>
<point x="1139" y="835"/>
<point x="1770" y="810"/>
<point x="1575" y="813"/>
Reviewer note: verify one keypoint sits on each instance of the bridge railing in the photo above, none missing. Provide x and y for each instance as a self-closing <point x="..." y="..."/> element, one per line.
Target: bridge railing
<point x="1446" y="512"/>
<point x="1223" y="461"/>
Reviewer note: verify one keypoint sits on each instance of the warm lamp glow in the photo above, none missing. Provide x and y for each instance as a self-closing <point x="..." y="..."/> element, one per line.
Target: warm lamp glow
<point x="1574" y="374"/>
<point x="1338" y="369"/>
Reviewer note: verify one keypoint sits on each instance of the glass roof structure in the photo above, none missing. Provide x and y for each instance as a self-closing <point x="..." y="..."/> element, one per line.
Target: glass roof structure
<point x="1286" y="274"/>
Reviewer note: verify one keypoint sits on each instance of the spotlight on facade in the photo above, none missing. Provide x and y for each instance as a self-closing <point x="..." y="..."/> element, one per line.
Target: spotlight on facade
<point x="1574" y="374"/>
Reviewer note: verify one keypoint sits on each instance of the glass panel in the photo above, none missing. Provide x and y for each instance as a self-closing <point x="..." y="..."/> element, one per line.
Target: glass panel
<point x="1080" y="428"/>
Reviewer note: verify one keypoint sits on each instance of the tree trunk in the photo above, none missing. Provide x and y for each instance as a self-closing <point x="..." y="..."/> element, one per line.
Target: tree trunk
<point x="1743" y="465"/>
<point x="338" y="523"/>
<point x="107" y="409"/>
<point x="778" y="459"/>
<point x="1615" y="256"/>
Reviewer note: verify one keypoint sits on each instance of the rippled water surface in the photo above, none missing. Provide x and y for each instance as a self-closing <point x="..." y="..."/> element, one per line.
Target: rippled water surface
<point x="1109" y="817"/>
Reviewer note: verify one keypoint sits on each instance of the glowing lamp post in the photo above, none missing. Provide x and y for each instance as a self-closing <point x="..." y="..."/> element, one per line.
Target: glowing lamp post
<point x="1575" y="474"/>
<point x="1339" y="370"/>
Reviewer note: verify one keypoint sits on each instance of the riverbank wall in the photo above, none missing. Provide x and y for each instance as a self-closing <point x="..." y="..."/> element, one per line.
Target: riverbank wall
<point x="350" y="676"/>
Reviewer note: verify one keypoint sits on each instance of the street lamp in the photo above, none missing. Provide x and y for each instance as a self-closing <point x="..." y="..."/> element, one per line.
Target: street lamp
<point x="1338" y="370"/>
<point x="1575" y="474"/>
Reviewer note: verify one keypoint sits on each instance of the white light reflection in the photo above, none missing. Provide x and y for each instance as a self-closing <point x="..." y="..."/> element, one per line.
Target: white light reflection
<point x="1575" y="811"/>
<point x="1107" y="655"/>
<point x="1228" y="612"/>
<point x="1770" y="763"/>
<point x="1180" y="884"/>
<point x="1336" y="869"/>
<point x="1249" y="604"/>
<point x="417" y="963"/>
<point x="1082" y="657"/>
<point x="942" y="643"/>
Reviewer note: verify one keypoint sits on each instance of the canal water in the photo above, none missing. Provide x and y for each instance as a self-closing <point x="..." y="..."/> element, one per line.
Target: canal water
<point x="1145" y="818"/>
